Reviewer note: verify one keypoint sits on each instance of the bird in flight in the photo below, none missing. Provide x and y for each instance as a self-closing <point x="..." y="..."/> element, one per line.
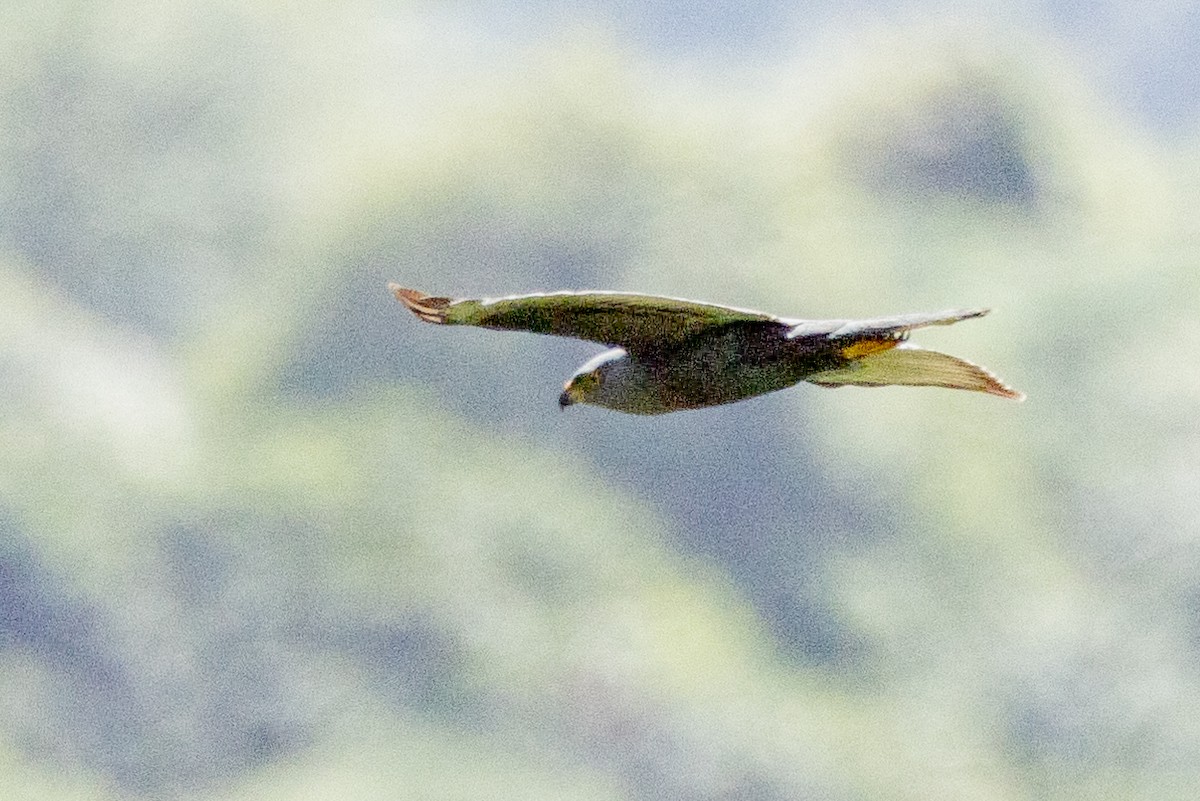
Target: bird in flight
<point x="668" y="354"/>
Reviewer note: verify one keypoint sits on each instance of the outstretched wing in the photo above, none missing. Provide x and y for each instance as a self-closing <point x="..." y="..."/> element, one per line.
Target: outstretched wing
<point x="875" y="354"/>
<point x="622" y="319"/>
<point x="881" y="328"/>
<point x="908" y="365"/>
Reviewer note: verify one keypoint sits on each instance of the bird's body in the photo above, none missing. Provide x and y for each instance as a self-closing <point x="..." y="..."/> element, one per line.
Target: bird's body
<point x="724" y="365"/>
<point x="670" y="354"/>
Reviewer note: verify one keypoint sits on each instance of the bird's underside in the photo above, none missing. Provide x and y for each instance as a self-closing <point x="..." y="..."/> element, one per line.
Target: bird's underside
<point x="670" y="354"/>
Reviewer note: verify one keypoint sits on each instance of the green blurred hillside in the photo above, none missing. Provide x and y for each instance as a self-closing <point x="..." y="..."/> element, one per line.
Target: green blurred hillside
<point x="263" y="535"/>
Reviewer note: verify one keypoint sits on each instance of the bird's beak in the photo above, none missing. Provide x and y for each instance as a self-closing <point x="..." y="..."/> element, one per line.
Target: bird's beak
<point x="565" y="399"/>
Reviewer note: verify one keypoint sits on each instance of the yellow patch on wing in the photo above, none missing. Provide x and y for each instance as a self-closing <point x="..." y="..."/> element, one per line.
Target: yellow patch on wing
<point x="866" y="347"/>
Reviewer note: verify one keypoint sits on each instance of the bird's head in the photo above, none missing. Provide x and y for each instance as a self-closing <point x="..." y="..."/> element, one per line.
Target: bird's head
<point x="578" y="389"/>
<point x="589" y="383"/>
<point x="581" y="387"/>
<point x="615" y="381"/>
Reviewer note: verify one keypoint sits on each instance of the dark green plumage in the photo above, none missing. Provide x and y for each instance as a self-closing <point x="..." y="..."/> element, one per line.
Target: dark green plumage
<point x="671" y="354"/>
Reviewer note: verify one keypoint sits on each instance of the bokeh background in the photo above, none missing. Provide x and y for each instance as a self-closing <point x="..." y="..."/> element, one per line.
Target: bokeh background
<point x="263" y="535"/>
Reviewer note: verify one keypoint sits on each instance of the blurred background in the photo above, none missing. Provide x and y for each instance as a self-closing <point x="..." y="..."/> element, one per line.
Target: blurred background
<point x="263" y="535"/>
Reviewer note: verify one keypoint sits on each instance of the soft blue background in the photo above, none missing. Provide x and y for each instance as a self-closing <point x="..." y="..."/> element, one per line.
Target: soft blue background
<point x="263" y="535"/>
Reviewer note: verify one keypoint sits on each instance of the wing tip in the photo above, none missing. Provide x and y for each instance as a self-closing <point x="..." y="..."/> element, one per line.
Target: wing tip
<point x="1002" y="390"/>
<point x="958" y="315"/>
<point x="427" y="307"/>
<point x="992" y="385"/>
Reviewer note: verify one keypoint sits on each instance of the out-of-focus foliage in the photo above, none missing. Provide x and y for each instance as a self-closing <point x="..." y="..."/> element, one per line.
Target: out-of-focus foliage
<point x="264" y="535"/>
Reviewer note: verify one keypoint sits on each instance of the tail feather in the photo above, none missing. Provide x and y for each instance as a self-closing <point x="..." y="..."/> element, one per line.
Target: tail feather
<point x="909" y="365"/>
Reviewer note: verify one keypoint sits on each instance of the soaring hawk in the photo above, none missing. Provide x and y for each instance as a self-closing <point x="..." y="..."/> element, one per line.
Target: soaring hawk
<point x="669" y="354"/>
